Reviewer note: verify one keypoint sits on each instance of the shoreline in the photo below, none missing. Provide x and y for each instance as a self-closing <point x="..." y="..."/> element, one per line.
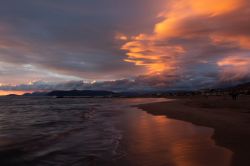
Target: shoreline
<point x="229" y="119"/>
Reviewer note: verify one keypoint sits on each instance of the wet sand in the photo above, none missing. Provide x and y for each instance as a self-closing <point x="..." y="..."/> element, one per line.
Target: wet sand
<point x="230" y="119"/>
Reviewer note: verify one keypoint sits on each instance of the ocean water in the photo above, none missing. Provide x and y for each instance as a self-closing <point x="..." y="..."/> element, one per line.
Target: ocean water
<point x="84" y="132"/>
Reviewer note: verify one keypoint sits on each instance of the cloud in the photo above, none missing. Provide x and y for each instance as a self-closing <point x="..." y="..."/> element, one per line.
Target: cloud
<point x="193" y="40"/>
<point x="117" y="85"/>
<point x="71" y="38"/>
<point x="129" y="44"/>
<point x="235" y="67"/>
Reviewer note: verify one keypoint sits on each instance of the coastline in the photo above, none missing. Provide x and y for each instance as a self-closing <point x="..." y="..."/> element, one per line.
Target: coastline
<point x="230" y="120"/>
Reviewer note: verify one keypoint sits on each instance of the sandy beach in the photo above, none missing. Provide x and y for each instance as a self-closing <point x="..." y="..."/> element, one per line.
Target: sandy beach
<point x="230" y="120"/>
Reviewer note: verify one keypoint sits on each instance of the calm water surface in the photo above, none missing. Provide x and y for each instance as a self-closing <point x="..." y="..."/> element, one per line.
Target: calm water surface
<point x="79" y="132"/>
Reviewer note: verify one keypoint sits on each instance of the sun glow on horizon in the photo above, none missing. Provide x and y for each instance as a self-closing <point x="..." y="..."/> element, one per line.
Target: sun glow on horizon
<point x="9" y="92"/>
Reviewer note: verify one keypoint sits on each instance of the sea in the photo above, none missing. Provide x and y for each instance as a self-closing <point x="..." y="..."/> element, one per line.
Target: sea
<point x="45" y="131"/>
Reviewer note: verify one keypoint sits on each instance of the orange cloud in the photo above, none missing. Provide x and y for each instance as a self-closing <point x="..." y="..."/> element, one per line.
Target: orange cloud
<point x="213" y="7"/>
<point x="242" y="41"/>
<point x="235" y="61"/>
<point x="181" y="10"/>
<point x="234" y="67"/>
<point x="190" y="32"/>
<point x="149" y="55"/>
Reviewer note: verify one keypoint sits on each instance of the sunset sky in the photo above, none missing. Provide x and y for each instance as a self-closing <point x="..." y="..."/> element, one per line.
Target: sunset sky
<point x="123" y="44"/>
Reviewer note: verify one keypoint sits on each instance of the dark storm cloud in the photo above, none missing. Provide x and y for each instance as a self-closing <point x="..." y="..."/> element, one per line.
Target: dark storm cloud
<point x="73" y="38"/>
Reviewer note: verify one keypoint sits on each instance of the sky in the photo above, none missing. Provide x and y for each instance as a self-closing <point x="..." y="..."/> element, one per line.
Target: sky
<point x="123" y="45"/>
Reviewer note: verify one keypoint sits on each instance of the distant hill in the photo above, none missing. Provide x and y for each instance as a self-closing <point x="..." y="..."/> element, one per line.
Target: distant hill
<point x="36" y="94"/>
<point x="238" y="87"/>
<point x="245" y="86"/>
<point x="12" y="95"/>
<point x="241" y="88"/>
<point x="82" y="93"/>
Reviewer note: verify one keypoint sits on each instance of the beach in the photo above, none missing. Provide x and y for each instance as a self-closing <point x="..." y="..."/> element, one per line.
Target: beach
<point x="47" y="131"/>
<point x="230" y="120"/>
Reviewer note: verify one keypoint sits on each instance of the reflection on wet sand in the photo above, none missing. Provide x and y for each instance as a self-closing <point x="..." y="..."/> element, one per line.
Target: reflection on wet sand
<point x="157" y="140"/>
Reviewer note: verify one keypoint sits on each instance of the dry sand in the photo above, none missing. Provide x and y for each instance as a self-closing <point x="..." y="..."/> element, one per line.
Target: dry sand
<point x="230" y="119"/>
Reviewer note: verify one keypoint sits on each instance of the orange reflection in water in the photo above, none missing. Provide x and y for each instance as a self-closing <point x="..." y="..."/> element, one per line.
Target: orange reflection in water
<point x="157" y="140"/>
